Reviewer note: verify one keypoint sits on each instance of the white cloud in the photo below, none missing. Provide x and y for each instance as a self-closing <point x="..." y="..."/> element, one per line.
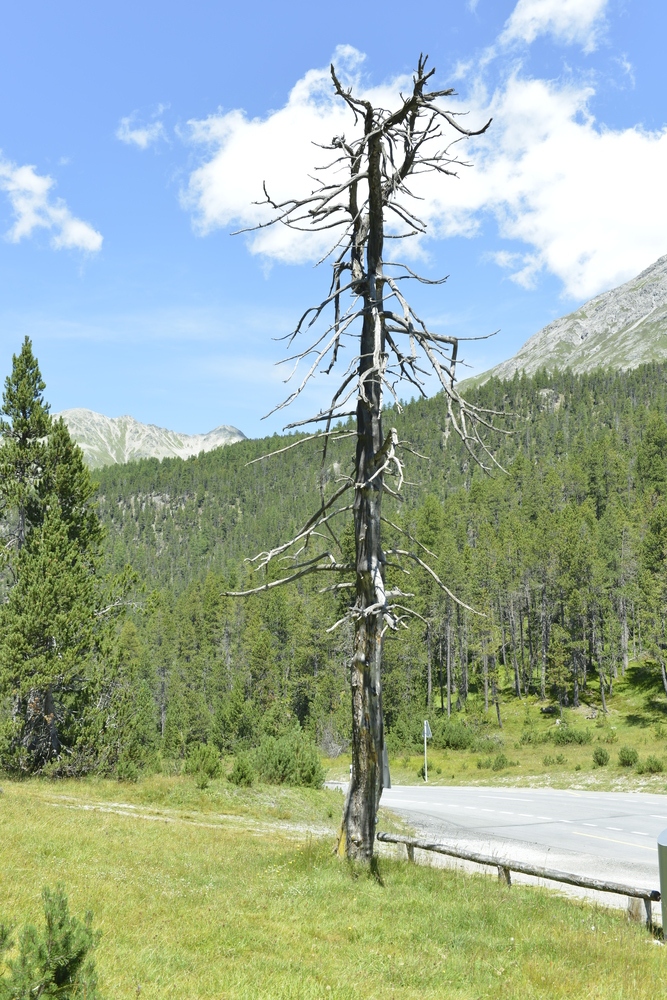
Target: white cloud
<point x="566" y="20"/>
<point x="135" y="134"/>
<point x="585" y="201"/>
<point x="281" y="149"/>
<point x="34" y="207"/>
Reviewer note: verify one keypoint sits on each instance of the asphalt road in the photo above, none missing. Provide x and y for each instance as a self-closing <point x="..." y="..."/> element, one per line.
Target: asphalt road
<point x="603" y="834"/>
<point x="615" y="825"/>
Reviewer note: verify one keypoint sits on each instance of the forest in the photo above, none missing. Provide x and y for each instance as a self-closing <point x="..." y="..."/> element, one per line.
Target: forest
<point x="555" y="567"/>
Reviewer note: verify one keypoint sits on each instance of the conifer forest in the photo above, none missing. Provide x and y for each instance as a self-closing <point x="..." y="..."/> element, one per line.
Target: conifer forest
<point x="120" y="651"/>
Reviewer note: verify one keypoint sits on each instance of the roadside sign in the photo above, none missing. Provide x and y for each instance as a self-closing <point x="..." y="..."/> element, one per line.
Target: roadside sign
<point x="427" y="736"/>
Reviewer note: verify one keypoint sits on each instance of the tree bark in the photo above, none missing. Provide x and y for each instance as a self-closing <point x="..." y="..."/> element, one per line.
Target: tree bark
<point x="360" y="817"/>
<point x="449" y="671"/>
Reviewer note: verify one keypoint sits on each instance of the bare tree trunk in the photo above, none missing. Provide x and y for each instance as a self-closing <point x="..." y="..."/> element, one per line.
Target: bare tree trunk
<point x="485" y="668"/>
<point x="624" y="636"/>
<point x="544" y="644"/>
<point x="494" y="691"/>
<point x="359" y="820"/>
<point x="463" y="653"/>
<point x="517" y="678"/>
<point x="664" y="674"/>
<point x="449" y="671"/>
<point x="429" y="676"/>
<point x="598" y="653"/>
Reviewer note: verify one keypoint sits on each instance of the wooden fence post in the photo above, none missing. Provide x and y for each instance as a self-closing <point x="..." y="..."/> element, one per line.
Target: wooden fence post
<point x="504" y="875"/>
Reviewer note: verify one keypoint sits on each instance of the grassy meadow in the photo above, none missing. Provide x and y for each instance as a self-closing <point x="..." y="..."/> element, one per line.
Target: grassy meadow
<point x="223" y="893"/>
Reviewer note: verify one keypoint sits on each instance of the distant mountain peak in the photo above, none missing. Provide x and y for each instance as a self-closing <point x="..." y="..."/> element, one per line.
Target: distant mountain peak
<point x="622" y="328"/>
<point x="116" y="440"/>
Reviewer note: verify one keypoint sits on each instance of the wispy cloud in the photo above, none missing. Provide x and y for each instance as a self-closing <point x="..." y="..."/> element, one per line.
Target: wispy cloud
<point x="31" y="197"/>
<point x="143" y="135"/>
<point x="565" y="20"/>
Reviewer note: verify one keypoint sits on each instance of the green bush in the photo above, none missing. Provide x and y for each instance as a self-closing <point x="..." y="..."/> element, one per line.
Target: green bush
<point x="627" y="757"/>
<point x="600" y="757"/>
<point x="242" y="773"/>
<point x="55" y="963"/>
<point x="204" y="762"/>
<point x="500" y="762"/>
<point x="453" y="735"/>
<point x="484" y="763"/>
<point x="531" y="738"/>
<point x="652" y="765"/>
<point x="563" y="735"/>
<point x="291" y="759"/>
<point x="126" y="770"/>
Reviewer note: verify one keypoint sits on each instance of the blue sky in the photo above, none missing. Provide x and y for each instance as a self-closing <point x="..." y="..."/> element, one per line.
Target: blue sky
<point x="133" y="138"/>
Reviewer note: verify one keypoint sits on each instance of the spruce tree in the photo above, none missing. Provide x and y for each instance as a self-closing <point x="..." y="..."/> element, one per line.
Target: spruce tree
<point x="23" y="450"/>
<point x="49" y="624"/>
<point x="46" y="635"/>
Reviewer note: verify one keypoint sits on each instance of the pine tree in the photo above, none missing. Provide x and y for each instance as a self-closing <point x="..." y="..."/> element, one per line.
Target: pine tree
<point x="22" y="456"/>
<point x="48" y="624"/>
<point x="46" y="635"/>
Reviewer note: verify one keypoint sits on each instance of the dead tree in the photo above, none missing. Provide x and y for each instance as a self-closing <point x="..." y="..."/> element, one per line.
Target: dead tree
<point x="363" y="199"/>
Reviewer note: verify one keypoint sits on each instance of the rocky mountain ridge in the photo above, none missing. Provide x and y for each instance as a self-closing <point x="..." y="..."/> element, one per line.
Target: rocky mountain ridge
<point x="621" y="328"/>
<point x="116" y="440"/>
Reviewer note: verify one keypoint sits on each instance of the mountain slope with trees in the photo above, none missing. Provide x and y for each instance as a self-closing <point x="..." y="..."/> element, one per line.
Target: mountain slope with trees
<point x="563" y="555"/>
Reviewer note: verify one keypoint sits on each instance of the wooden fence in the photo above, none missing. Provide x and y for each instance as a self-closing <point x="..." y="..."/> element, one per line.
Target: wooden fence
<point x="505" y="867"/>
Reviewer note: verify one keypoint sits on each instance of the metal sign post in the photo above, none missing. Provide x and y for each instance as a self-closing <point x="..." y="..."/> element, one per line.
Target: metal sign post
<point x="662" y="865"/>
<point x="427" y="736"/>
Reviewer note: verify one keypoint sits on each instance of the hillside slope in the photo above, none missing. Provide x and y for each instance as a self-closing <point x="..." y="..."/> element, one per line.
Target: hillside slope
<point x="116" y="440"/>
<point x="622" y="328"/>
<point x="175" y="520"/>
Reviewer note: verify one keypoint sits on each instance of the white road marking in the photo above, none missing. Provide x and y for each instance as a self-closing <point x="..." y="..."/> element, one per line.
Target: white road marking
<point x="639" y="833"/>
<point x="626" y="843"/>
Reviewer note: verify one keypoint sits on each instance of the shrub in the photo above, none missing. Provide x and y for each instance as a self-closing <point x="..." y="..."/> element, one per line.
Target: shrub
<point x="500" y="762"/>
<point x="549" y="760"/>
<point x="126" y="770"/>
<point x="454" y="735"/>
<point x="242" y="773"/>
<point x="204" y="762"/>
<point x="627" y="757"/>
<point x="532" y="738"/>
<point x="291" y="759"/>
<point x="600" y="757"/>
<point x="652" y="765"/>
<point x="55" y="963"/>
<point x="563" y="735"/>
<point x="485" y="762"/>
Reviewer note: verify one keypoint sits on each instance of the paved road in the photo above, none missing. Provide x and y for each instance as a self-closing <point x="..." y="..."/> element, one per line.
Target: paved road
<point x="608" y="835"/>
<point x="614" y="825"/>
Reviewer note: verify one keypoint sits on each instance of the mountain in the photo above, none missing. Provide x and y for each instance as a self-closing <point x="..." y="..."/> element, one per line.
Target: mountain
<point x="623" y="328"/>
<point x="116" y="440"/>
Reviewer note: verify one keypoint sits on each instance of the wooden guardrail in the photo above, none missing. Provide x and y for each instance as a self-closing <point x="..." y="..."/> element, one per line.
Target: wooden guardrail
<point x="505" y="867"/>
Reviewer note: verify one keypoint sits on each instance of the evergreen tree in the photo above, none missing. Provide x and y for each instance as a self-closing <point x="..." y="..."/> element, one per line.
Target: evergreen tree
<point x="48" y="624"/>
<point x="22" y="456"/>
<point x="46" y="635"/>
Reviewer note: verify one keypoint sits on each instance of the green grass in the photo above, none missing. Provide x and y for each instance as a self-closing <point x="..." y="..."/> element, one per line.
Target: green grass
<point x="200" y="901"/>
<point x="637" y="718"/>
